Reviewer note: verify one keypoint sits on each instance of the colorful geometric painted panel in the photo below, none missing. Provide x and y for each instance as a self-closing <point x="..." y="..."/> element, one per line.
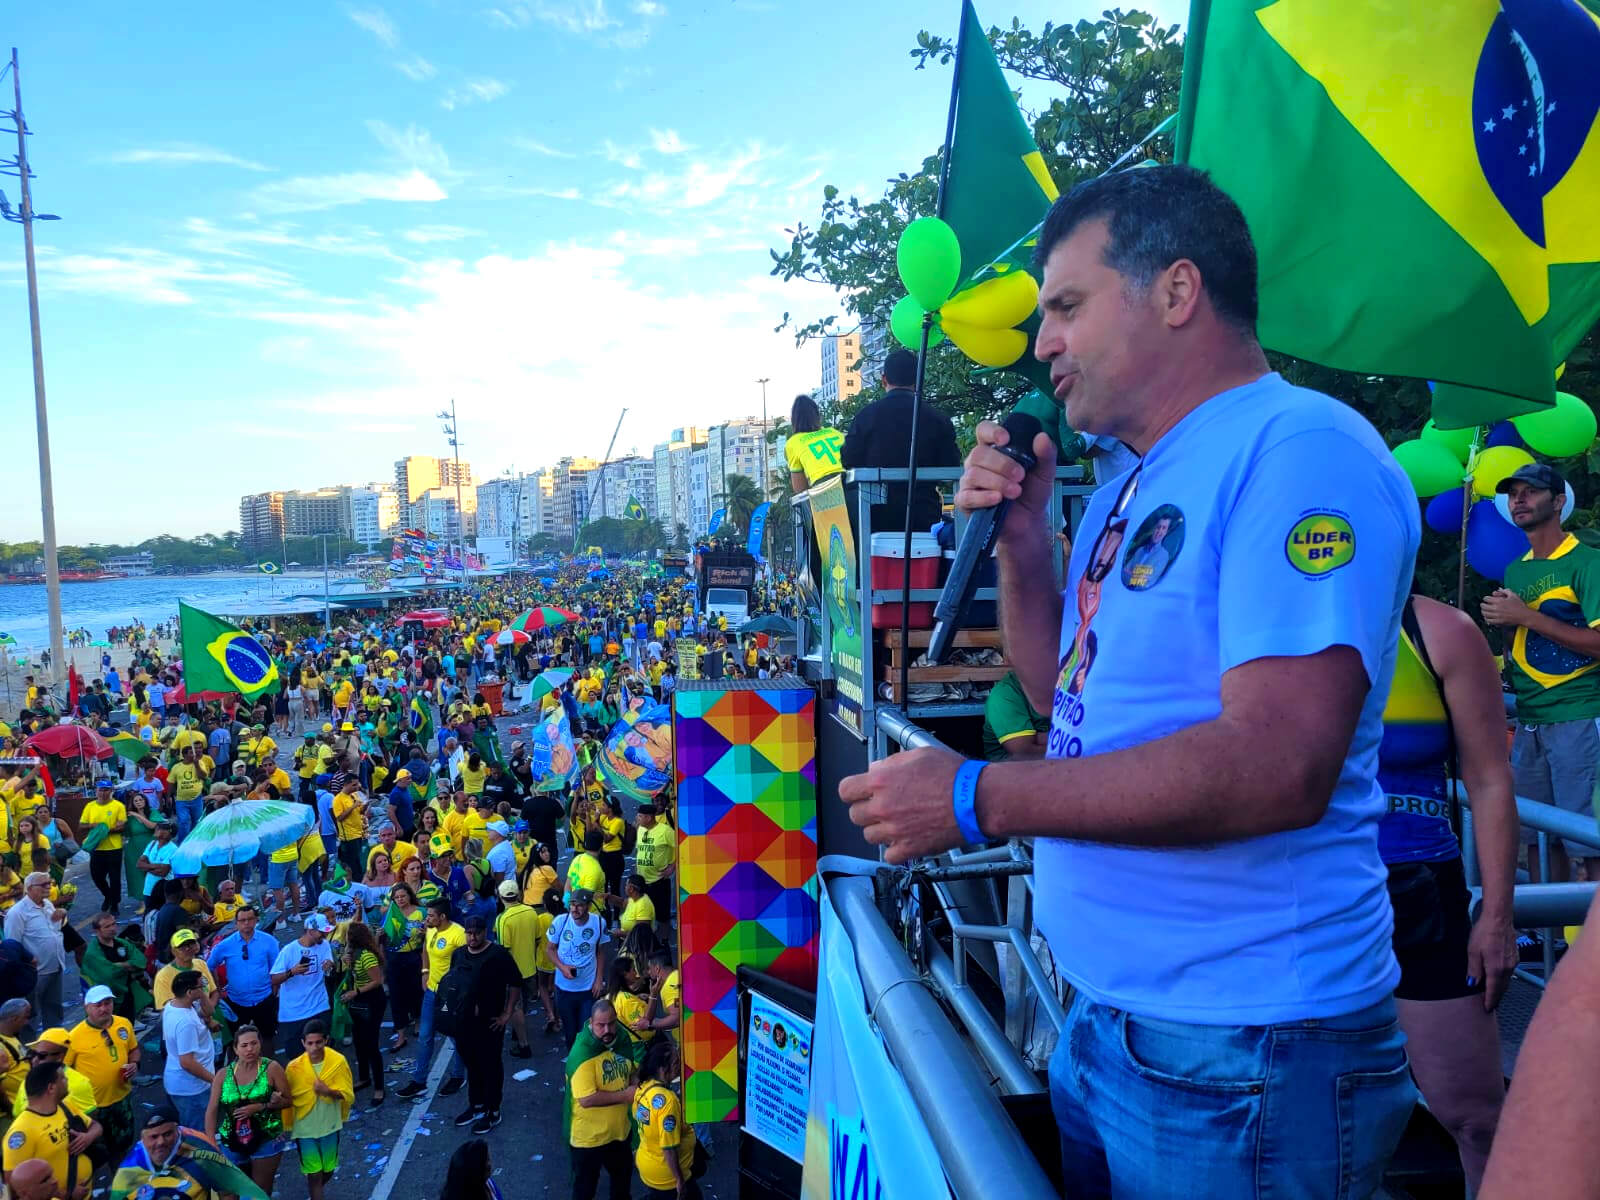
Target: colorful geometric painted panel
<point x="747" y="863"/>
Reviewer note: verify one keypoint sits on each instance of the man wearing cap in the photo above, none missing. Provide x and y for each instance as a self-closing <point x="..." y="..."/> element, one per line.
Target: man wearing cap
<point x="243" y="960"/>
<point x="575" y="945"/>
<point x="444" y="937"/>
<point x="298" y="973"/>
<point x="104" y="1048"/>
<point x="401" y="806"/>
<point x="493" y="987"/>
<point x="105" y="812"/>
<point x="185" y="957"/>
<point x="47" y="1129"/>
<point x="502" y="858"/>
<point x="1550" y="603"/>
<point x="51" y="1046"/>
<point x="517" y="929"/>
<point x="36" y="923"/>
<point x="161" y="1162"/>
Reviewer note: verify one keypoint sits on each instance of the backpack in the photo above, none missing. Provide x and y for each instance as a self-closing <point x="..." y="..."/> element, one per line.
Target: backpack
<point x="453" y="998"/>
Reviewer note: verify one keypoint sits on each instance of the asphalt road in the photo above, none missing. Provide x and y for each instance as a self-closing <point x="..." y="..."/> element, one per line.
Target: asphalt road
<point x="400" y="1150"/>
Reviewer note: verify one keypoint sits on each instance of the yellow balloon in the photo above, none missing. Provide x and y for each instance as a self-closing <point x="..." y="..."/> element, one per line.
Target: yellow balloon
<point x="987" y="347"/>
<point x="1494" y="464"/>
<point x="997" y="303"/>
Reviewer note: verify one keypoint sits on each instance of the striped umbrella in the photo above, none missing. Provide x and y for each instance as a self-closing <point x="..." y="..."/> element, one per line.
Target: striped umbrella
<point x="511" y="637"/>
<point x="546" y="682"/>
<point x="544" y="617"/>
<point x="237" y="832"/>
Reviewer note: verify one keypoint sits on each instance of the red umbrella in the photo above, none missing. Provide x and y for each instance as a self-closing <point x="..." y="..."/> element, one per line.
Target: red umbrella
<point x="544" y="617"/>
<point x="70" y="741"/>
<point x="511" y="637"/>
<point x="428" y="618"/>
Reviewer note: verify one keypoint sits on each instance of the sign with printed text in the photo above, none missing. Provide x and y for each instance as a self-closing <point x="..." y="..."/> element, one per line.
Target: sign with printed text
<point x="836" y="543"/>
<point x="777" y="1076"/>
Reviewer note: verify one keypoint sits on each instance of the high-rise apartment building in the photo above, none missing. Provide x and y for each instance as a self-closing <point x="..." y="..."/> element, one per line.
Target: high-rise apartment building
<point x="261" y="521"/>
<point x="841" y="369"/>
<point x="736" y="448"/>
<point x="673" y="478"/>
<point x="309" y="514"/>
<point x="419" y="473"/>
<point x="614" y="483"/>
<point x="371" y="512"/>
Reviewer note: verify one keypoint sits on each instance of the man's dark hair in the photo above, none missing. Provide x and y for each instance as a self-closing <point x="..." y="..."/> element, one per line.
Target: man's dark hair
<point x="185" y="982"/>
<point x="900" y="368"/>
<point x="40" y="1077"/>
<point x="593" y="839"/>
<point x="1157" y="215"/>
<point x="440" y="904"/>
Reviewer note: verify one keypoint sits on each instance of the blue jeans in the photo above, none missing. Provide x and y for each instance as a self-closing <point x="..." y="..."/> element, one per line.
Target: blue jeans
<point x="189" y="811"/>
<point x="1158" y="1109"/>
<point x="425" y="1036"/>
<point x="192" y="1110"/>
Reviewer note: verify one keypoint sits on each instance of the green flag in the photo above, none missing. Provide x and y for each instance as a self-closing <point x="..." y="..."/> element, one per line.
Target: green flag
<point x="267" y="567"/>
<point x="999" y="187"/>
<point x="130" y="747"/>
<point x="219" y="657"/>
<point x="634" y="511"/>
<point x="1419" y="180"/>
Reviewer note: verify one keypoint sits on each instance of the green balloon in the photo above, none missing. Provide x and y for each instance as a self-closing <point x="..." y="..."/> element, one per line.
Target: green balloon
<point x="929" y="258"/>
<point x="1430" y="466"/>
<point x="906" y="324"/>
<point x="1457" y="441"/>
<point x="1559" y="432"/>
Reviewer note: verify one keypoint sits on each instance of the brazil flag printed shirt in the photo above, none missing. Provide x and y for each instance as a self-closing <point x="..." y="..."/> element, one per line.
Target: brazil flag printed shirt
<point x="1285" y="528"/>
<point x="1553" y="683"/>
<point x="1411" y="765"/>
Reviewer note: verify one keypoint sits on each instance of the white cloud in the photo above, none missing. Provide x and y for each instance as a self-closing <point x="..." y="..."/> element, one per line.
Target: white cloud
<point x="156" y="277"/>
<point x="312" y="192"/>
<point x="472" y="92"/>
<point x="416" y="68"/>
<point x="621" y="155"/>
<point x="185" y="156"/>
<point x="376" y="22"/>
<point x="251" y="239"/>
<point x="534" y="146"/>
<point x="649" y="8"/>
<point x="423" y="234"/>
<point x="412" y="145"/>
<point x="705" y="182"/>
<point x="574" y="16"/>
<point x="667" y="141"/>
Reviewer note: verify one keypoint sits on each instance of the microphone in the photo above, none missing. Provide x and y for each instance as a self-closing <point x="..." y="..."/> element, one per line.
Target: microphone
<point x="977" y="542"/>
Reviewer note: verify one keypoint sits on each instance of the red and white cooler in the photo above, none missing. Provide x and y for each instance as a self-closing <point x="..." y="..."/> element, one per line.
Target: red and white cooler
<point x="888" y="571"/>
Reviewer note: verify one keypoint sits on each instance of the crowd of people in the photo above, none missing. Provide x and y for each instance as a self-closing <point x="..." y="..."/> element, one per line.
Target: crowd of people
<point x="441" y="889"/>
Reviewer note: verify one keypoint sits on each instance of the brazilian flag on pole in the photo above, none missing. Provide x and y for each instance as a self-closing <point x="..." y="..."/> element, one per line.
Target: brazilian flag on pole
<point x="1420" y="179"/>
<point x="219" y="657"/>
<point x="267" y="567"/>
<point x="421" y="718"/>
<point x="634" y="511"/>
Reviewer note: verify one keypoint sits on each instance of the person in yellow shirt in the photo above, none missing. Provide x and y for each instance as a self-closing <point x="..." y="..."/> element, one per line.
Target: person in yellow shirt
<point x="43" y="1130"/>
<point x="103" y="1048"/>
<point x="473" y="772"/>
<point x="600" y="1089"/>
<point x="584" y="872"/>
<point x="628" y="995"/>
<point x="102" y="823"/>
<point x="666" y="996"/>
<point x="227" y="904"/>
<point x="639" y="909"/>
<point x="186" y="782"/>
<point x="350" y="815"/>
<point x="265" y="749"/>
<point x="666" y="1158"/>
<point x="517" y="929"/>
<point x="444" y="937"/>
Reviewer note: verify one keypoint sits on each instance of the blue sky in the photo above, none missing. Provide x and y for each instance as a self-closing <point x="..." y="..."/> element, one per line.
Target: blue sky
<point x="292" y="232"/>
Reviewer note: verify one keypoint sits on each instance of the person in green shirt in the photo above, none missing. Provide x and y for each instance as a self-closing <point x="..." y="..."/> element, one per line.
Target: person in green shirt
<point x="1011" y="729"/>
<point x="1550" y="604"/>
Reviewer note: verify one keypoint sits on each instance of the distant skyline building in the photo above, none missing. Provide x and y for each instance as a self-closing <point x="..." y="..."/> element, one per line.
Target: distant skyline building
<point x="313" y="513"/>
<point x="261" y="521"/>
<point x="841" y="369"/>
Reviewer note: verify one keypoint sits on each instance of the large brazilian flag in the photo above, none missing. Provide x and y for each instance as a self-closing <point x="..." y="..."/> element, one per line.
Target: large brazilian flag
<point x="219" y="657"/>
<point x="1420" y="179"/>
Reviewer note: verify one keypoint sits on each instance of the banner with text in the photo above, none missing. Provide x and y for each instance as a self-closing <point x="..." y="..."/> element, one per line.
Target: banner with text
<point x="777" y="1076"/>
<point x="758" y="530"/>
<point x="865" y="1139"/>
<point x="830" y="518"/>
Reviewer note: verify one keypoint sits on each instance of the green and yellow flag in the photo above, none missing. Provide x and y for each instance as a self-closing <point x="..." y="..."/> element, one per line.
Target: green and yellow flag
<point x="219" y="657"/>
<point x="634" y="511"/>
<point x="1420" y="180"/>
<point x="998" y="188"/>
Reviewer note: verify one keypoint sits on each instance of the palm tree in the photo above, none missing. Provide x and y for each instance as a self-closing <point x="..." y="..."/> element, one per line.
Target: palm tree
<point x="741" y="498"/>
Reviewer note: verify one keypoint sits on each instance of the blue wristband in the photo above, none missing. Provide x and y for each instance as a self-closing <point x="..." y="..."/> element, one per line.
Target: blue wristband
<point x="964" y="800"/>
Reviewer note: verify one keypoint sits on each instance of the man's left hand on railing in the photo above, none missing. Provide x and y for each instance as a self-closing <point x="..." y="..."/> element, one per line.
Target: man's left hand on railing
<point x="902" y="803"/>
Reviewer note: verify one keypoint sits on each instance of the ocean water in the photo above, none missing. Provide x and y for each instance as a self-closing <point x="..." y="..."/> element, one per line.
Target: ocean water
<point x="151" y="598"/>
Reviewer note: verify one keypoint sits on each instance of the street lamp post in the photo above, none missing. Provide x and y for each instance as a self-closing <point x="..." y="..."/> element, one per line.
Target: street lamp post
<point x="762" y="486"/>
<point x="450" y="427"/>
<point x="25" y="216"/>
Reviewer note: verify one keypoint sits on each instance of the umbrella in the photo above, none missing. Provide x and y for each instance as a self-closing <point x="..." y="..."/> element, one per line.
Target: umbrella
<point x="546" y="682"/>
<point x="428" y="618"/>
<point x="543" y="617"/>
<point x="7" y="640"/>
<point x="70" y="741"/>
<point x="775" y="625"/>
<point x="239" y="831"/>
<point x="511" y="637"/>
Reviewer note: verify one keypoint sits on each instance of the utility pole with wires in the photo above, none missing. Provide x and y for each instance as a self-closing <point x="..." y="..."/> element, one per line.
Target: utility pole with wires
<point x="25" y="216"/>
<point x="762" y="487"/>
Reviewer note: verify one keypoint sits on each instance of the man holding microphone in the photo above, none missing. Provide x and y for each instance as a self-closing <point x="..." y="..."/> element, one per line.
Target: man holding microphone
<point x="1207" y="868"/>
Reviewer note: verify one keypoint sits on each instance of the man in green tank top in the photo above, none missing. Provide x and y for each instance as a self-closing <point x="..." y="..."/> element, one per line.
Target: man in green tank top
<point x="1550" y="609"/>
